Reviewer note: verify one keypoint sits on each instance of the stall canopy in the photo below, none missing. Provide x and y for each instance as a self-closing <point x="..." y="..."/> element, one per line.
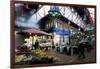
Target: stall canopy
<point x="34" y="32"/>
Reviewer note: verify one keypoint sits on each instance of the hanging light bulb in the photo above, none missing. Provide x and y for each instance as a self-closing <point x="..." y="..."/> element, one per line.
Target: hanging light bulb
<point x="79" y="29"/>
<point x="30" y="33"/>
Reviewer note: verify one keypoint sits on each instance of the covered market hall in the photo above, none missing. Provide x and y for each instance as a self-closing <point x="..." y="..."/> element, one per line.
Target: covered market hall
<point x="51" y="34"/>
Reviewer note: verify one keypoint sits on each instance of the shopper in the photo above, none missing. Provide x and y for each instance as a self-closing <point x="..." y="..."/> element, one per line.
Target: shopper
<point x="81" y="49"/>
<point x="36" y="44"/>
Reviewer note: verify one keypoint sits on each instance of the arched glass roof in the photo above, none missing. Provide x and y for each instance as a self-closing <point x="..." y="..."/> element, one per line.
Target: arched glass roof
<point x="30" y="16"/>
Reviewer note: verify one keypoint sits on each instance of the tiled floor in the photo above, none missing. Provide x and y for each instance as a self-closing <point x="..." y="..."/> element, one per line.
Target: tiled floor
<point x="66" y="59"/>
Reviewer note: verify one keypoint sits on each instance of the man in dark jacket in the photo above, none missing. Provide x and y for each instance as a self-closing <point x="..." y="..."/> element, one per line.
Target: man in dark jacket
<point x="81" y="50"/>
<point x="36" y="44"/>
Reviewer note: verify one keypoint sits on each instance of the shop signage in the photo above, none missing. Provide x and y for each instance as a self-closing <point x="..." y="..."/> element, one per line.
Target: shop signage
<point x="61" y="31"/>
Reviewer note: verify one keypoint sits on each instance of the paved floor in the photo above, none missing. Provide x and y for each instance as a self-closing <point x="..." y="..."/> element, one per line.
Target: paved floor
<point x="65" y="59"/>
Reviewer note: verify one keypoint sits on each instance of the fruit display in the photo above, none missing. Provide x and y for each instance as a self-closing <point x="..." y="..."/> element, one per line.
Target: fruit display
<point x="38" y="56"/>
<point x="43" y="56"/>
<point x="19" y="58"/>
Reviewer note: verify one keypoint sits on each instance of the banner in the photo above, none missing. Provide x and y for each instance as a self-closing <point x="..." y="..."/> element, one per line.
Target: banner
<point x="61" y="31"/>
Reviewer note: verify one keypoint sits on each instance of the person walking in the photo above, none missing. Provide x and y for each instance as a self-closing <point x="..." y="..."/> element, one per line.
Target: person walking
<point x="36" y="44"/>
<point x="81" y="49"/>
